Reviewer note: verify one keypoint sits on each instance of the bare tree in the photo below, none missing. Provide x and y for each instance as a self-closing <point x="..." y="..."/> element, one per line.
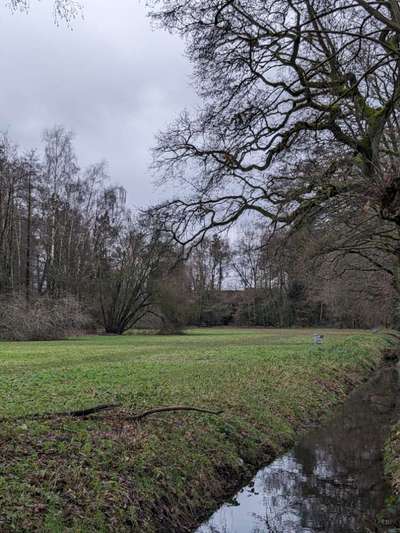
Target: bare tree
<point x="128" y="262"/>
<point x="173" y="296"/>
<point x="285" y="81"/>
<point x="65" y="10"/>
<point x="60" y="174"/>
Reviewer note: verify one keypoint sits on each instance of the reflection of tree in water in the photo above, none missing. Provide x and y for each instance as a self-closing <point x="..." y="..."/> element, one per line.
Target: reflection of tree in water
<point x="332" y="481"/>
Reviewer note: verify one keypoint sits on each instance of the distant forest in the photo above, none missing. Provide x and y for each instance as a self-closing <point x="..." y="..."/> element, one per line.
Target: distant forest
<point x="74" y="257"/>
<point x="295" y="142"/>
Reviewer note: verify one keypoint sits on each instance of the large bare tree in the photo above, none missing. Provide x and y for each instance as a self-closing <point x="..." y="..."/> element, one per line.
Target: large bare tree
<point x="283" y="83"/>
<point x="126" y="276"/>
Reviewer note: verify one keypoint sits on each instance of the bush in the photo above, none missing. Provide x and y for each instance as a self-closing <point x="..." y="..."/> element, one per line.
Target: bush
<point x="173" y="306"/>
<point x="218" y="314"/>
<point x="42" y="319"/>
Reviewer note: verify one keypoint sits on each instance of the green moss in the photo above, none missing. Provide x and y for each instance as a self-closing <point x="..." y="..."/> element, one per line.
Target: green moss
<point x="393" y="44"/>
<point x="371" y="114"/>
<point x="106" y="474"/>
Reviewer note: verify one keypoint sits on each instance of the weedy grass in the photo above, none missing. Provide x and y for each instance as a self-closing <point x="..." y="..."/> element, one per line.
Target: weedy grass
<point x="392" y="459"/>
<point x="167" y="471"/>
<point x="391" y="514"/>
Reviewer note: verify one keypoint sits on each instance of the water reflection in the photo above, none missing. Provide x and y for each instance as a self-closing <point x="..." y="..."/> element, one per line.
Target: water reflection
<point x="331" y="482"/>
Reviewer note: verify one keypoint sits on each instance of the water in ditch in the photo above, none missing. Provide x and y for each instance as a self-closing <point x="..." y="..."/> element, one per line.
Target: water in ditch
<point x="331" y="482"/>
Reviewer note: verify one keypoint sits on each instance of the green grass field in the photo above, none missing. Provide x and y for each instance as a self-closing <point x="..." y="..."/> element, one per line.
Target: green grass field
<point x="164" y="472"/>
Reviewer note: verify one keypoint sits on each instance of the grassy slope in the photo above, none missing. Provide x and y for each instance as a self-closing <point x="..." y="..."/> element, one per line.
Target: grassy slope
<point x="158" y="474"/>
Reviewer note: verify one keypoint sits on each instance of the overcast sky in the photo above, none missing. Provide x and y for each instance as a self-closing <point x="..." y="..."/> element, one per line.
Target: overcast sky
<point x="112" y="80"/>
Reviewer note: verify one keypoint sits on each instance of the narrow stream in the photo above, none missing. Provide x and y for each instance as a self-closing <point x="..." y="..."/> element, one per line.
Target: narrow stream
<point x="331" y="482"/>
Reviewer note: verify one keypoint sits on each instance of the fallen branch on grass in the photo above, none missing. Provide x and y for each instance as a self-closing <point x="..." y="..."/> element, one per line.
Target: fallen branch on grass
<point x="83" y="413"/>
<point x="90" y="411"/>
<point x="140" y="416"/>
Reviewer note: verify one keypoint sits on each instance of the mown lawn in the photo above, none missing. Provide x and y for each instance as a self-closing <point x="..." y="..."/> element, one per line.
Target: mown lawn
<point x="166" y="471"/>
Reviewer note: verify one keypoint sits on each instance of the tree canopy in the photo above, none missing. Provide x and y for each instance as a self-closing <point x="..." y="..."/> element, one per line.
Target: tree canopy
<point x="299" y="116"/>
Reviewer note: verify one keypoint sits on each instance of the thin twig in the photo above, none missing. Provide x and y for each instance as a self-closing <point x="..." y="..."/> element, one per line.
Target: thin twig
<point x="140" y="416"/>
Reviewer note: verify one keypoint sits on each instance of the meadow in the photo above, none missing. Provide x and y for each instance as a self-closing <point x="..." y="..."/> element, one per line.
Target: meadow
<point x="109" y="472"/>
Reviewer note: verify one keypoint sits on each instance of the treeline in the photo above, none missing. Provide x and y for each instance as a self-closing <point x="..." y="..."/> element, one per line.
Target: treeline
<point x="73" y="256"/>
<point x="67" y="236"/>
<point x="50" y="216"/>
<point x="285" y="281"/>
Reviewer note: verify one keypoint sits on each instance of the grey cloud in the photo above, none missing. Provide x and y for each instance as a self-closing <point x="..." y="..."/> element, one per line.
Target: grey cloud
<point x="112" y="80"/>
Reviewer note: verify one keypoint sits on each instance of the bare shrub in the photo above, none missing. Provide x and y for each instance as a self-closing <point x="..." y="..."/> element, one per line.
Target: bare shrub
<point x="174" y="304"/>
<point x="42" y="319"/>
